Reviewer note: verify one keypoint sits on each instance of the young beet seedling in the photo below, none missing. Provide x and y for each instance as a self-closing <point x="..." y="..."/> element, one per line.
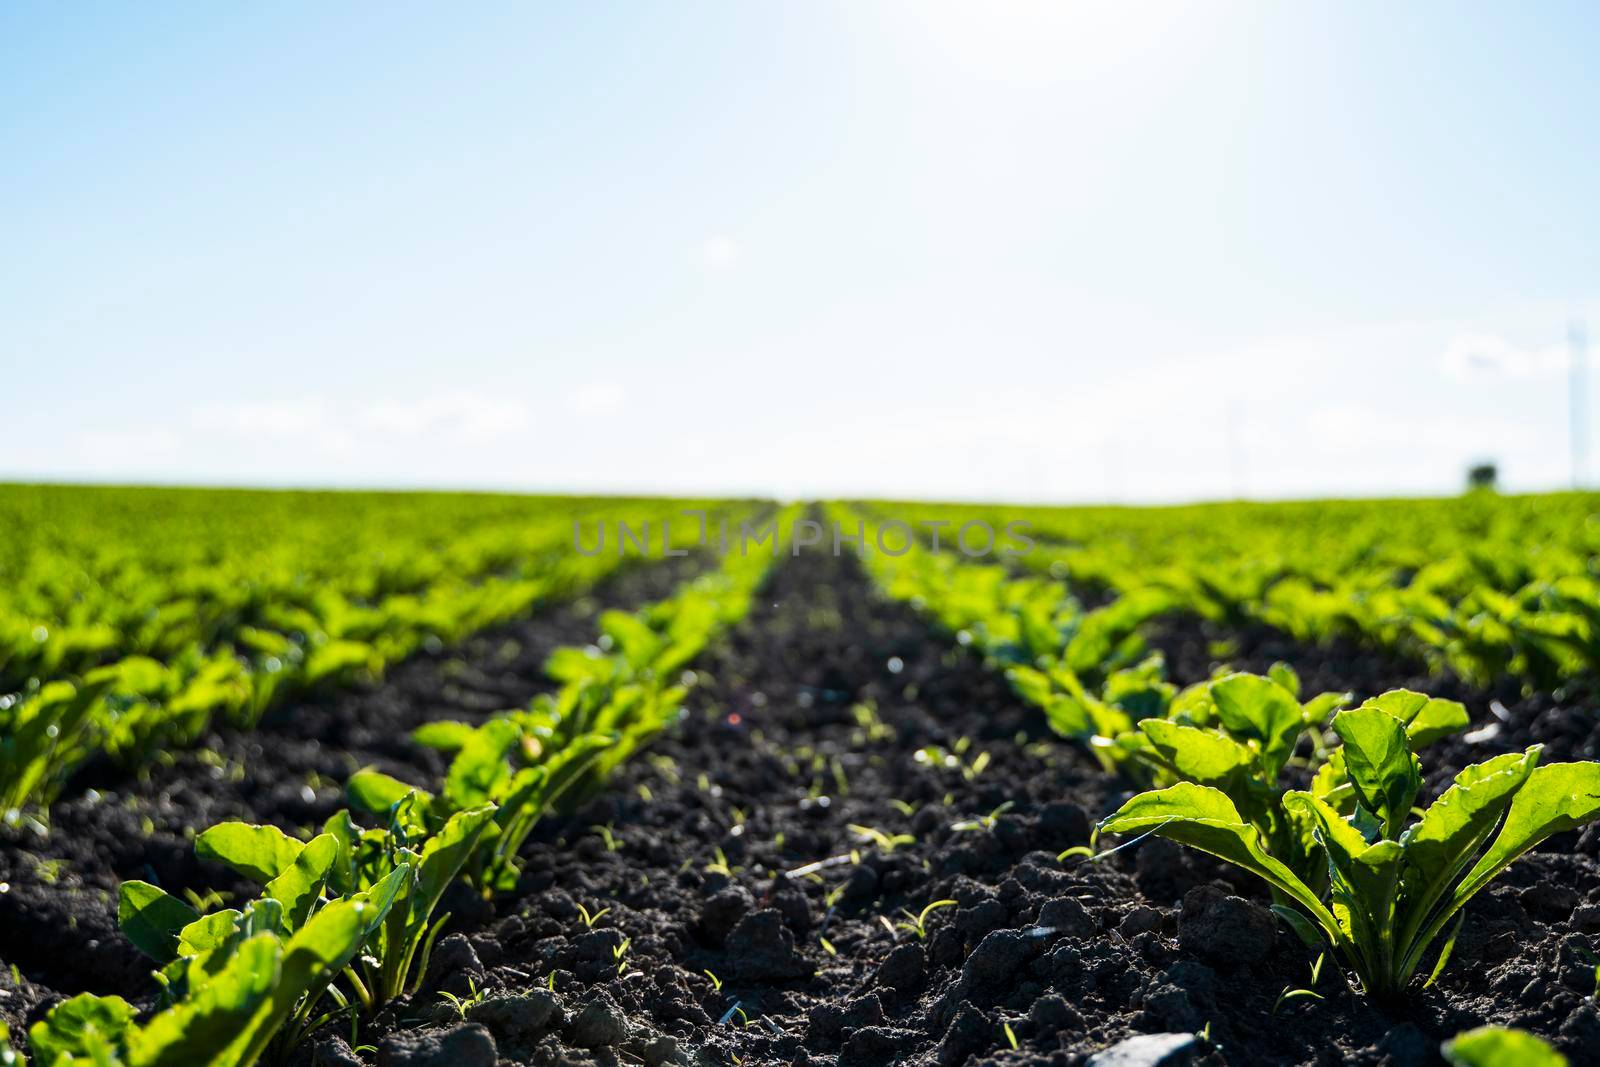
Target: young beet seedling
<point x="1394" y="884"/>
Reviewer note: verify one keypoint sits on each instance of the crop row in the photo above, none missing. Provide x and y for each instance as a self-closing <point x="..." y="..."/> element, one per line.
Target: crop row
<point x="1483" y="585"/>
<point x="1355" y="867"/>
<point x="345" y="922"/>
<point x="130" y="619"/>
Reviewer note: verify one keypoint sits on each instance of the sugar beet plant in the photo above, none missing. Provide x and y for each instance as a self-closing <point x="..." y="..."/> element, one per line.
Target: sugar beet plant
<point x="1395" y="880"/>
<point x="240" y="984"/>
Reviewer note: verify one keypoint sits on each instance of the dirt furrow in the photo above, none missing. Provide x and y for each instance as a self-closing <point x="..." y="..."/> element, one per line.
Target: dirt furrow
<point x="742" y="919"/>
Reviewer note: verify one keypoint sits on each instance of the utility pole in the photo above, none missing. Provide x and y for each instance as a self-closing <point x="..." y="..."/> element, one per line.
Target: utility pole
<point x="1578" y="394"/>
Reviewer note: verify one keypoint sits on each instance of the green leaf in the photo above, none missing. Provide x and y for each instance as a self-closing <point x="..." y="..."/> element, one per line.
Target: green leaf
<point x="445" y="735"/>
<point x="1031" y="685"/>
<point x="208" y="933"/>
<point x="1557" y="797"/>
<point x="206" y="1027"/>
<point x="442" y="859"/>
<point x="300" y="884"/>
<point x="1315" y="711"/>
<point x="1425" y="718"/>
<point x="1204" y="818"/>
<point x="1304" y="928"/>
<point x="1365" y="876"/>
<point x="1260" y="709"/>
<point x="567" y="665"/>
<point x="152" y="918"/>
<point x="1377" y="757"/>
<point x="1445" y="952"/>
<point x="1286" y="677"/>
<point x="310" y="960"/>
<point x="1455" y="825"/>
<point x="480" y="768"/>
<point x="375" y="792"/>
<point x="1498" y="1046"/>
<point x="86" y="1025"/>
<point x="342" y="875"/>
<point x="255" y="851"/>
<point x="1197" y="755"/>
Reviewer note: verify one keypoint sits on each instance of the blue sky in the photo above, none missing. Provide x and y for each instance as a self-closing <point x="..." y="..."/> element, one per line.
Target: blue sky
<point x="1028" y="250"/>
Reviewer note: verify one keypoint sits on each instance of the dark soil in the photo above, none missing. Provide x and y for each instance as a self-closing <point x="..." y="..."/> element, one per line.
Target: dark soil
<point x="742" y="920"/>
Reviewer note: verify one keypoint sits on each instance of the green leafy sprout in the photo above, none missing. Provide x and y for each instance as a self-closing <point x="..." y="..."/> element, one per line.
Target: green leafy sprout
<point x="1394" y="883"/>
<point x="917" y="922"/>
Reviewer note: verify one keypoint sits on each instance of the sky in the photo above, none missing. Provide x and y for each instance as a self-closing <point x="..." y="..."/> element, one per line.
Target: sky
<point x="1012" y="250"/>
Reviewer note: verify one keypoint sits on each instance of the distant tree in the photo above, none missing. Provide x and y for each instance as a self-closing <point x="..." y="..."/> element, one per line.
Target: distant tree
<point x="1483" y="476"/>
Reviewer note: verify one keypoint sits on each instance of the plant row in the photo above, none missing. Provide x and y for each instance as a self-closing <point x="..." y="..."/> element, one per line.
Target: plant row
<point x="1486" y="586"/>
<point x="346" y="920"/>
<point x="124" y="639"/>
<point x="1357" y="867"/>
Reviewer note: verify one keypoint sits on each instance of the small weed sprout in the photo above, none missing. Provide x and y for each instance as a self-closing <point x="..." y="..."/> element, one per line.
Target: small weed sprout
<point x="984" y="822"/>
<point x="590" y="918"/>
<point x="1289" y="994"/>
<point x="466" y="1003"/>
<point x="886" y="843"/>
<point x="870" y="726"/>
<point x="918" y="923"/>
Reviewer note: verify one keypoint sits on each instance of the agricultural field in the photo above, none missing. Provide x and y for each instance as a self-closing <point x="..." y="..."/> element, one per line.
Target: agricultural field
<point x="391" y="779"/>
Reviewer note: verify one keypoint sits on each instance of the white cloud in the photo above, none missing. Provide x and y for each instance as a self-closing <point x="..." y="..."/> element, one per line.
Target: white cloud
<point x="1487" y="357"/>
<point x="719" y="253"/>
<point x="597" y="398"/>
<point x="296" y="418"/>
<point x="339" y="427"/>
<point x="122" y="449"/>
<point x="470" y="415"/>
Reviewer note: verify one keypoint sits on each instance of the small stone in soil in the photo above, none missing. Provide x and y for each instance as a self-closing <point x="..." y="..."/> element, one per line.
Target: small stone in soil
<point x="1146" y="1050"/>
